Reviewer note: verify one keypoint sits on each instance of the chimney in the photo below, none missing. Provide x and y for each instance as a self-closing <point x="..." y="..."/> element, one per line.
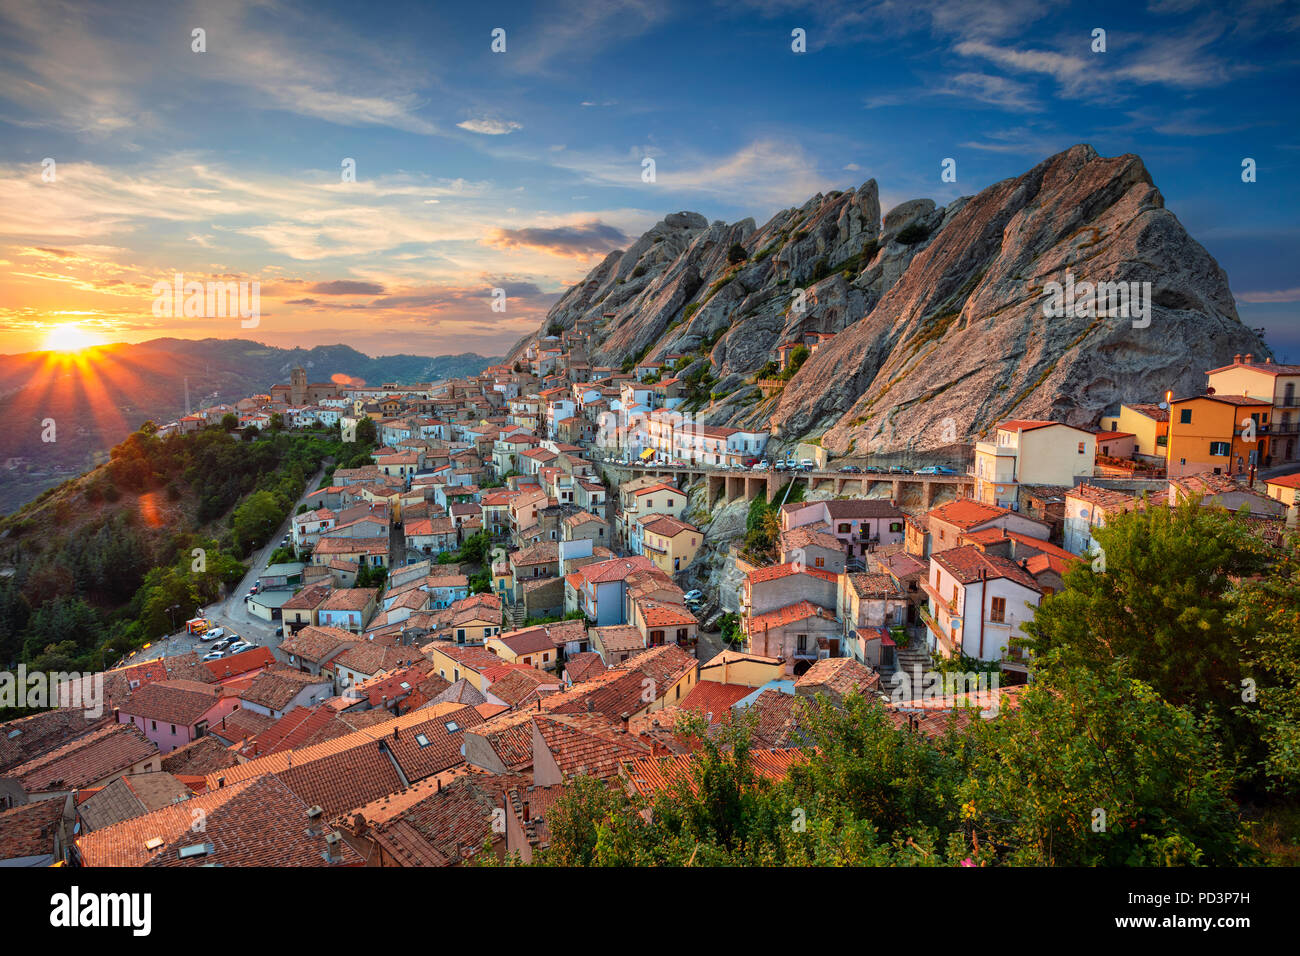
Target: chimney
<point x="625" y="717"/>
<point x="1250" y="358"/>
<point x="1236" y="359"/>
<point x="395" y="730"/>
<point x="358" y="824"/>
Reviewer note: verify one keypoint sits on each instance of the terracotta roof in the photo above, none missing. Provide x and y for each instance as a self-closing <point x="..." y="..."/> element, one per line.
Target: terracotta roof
<point x="668" y="526"/>
<point x="29" y="829"/>
<point x="449" y="824"/>
<point x="715" y="699"/>
<point x="131" y="796"/>
<point x="772" y="572"/>
<point x="785" y="616"/>
<point x="651" y="775"/>
<point x="199" y="757"/>
<point x="965" y="513"/>
<point x="276" y="689"/>
<point x="101" y="753"/>
<point x="260" y="822"/>
<point x="510" y="736"/>
<point x="861" y="508"/>
<point x="587" y="745"/>
<point x="350" y="599"/>
<point x="657" y="614"/>
<point x="617" y="638"/>
<point x="581" y="666"/>
<point x="316" y="644"/>
<point x="26" y="738"/>
<point x="1103" y="497"/>
<point x="968" y="562"/>
<point x="780" y="720"/>
<point x="1285" y="481"/>
<point x="838" y="676"/>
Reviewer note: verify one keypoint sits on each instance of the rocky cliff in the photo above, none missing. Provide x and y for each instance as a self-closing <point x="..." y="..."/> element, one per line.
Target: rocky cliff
<point x="937" y="312"/>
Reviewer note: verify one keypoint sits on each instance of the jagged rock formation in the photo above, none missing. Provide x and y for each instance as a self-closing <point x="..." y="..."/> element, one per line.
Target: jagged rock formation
<point x="937" y="311"/>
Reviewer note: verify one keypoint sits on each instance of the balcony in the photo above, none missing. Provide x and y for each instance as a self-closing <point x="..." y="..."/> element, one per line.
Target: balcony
<point x="939" y="599"/>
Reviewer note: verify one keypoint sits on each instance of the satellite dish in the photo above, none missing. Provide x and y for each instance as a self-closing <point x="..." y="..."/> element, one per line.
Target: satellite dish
<point x="1163" y="405"/>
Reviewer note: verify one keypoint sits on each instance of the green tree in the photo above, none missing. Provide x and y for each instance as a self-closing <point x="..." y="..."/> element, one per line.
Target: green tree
<point x="1094" y="769"/>
<point x="1161" y="603"/>
<point x="1266" y="621"/>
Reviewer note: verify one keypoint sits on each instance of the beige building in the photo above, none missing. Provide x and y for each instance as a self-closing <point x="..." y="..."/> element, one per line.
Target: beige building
<point x="1030" y="452"/>
<point x="669" y="542"/>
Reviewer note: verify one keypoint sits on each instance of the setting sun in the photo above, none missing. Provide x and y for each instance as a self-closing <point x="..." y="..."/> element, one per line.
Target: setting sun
<point x="69" y="338"/>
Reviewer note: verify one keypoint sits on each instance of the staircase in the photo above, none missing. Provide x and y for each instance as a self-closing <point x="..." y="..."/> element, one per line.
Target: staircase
<point x="913" y="660"/>
<point x="513" y="615"/>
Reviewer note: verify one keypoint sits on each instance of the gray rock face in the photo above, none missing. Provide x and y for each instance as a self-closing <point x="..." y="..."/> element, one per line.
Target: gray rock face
<point x="937" y="311"/>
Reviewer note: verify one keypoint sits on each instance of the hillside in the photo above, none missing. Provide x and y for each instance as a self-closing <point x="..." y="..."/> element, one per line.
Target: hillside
<point x="937" y="312"/>
<point x="104" y="559"/>
<point x="98" y="399"/>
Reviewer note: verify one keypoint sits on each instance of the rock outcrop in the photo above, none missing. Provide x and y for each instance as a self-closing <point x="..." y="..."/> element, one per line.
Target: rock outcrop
<point x="937" y="312"/>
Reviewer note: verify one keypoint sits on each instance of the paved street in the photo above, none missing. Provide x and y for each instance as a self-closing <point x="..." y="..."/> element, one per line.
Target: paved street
<point x="233" y="613"/>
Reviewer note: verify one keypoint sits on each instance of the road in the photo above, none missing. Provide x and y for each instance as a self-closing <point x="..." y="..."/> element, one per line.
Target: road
<point x="233" y="613"/>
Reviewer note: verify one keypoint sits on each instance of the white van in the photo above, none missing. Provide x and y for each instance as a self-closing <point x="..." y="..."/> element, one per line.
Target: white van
<point x="213" y="634"/>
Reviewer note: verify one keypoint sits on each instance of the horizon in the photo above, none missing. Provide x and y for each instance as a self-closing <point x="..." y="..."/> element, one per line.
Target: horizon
<point x="521" y="170"/>
<point x="322" y="345"/>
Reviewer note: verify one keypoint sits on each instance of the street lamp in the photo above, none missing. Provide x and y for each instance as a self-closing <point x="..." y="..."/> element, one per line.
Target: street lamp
<point x="171" y="615"/>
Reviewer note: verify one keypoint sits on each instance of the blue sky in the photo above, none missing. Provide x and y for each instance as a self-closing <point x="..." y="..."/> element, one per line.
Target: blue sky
<point x="522" y="169"/>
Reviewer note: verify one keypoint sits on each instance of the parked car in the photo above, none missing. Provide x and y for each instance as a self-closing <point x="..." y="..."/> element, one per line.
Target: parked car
<point x="851" y="470"/>
<point x="875" y="470"/>
<point x="899" y="470"/>
<point x="213" y="634"/>
<point x="762" y="465"/>
<point x="928" y="470"/>
<point x="807" y="464"/>
<point x="240" y="646"/>
<point x="694" y="596"/>
<point x="214" y="656"/>
<point x="781" y="466"/>
<point x="279" y="631"/>
<point x="224" y="643"/>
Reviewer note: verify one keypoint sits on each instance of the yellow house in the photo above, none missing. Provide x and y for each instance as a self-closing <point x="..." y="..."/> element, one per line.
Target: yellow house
<point x="1223" y="434"/>
<point x="454" y="662"/>
<point x="1286" y="489"/>
<point x="1147" y="423"/>
<point x="738" y="667"/>
<point x="1279" y="385"/>
<point x="670" y="542"/>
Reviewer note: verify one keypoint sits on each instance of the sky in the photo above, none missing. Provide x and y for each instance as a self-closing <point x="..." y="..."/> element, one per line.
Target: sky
<point x="520" y="170"/>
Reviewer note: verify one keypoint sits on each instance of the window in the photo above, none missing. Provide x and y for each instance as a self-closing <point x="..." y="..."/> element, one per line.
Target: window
<point x="843" y="527"/>
<point x="1080" y="448"/>
<point x="998" y="611"/>
<point x="173" y="728"/>
<point x="1219" y="449"/>
<point x="895" y="526"/>
<point x="452" y="726"/>
<point x="801" y="642"/>
<point x="153" y="725"/>
<point x="1185" y="416"/>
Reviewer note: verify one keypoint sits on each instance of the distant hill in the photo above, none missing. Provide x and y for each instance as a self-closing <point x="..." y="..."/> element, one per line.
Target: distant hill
<point x="97" y="402"/>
